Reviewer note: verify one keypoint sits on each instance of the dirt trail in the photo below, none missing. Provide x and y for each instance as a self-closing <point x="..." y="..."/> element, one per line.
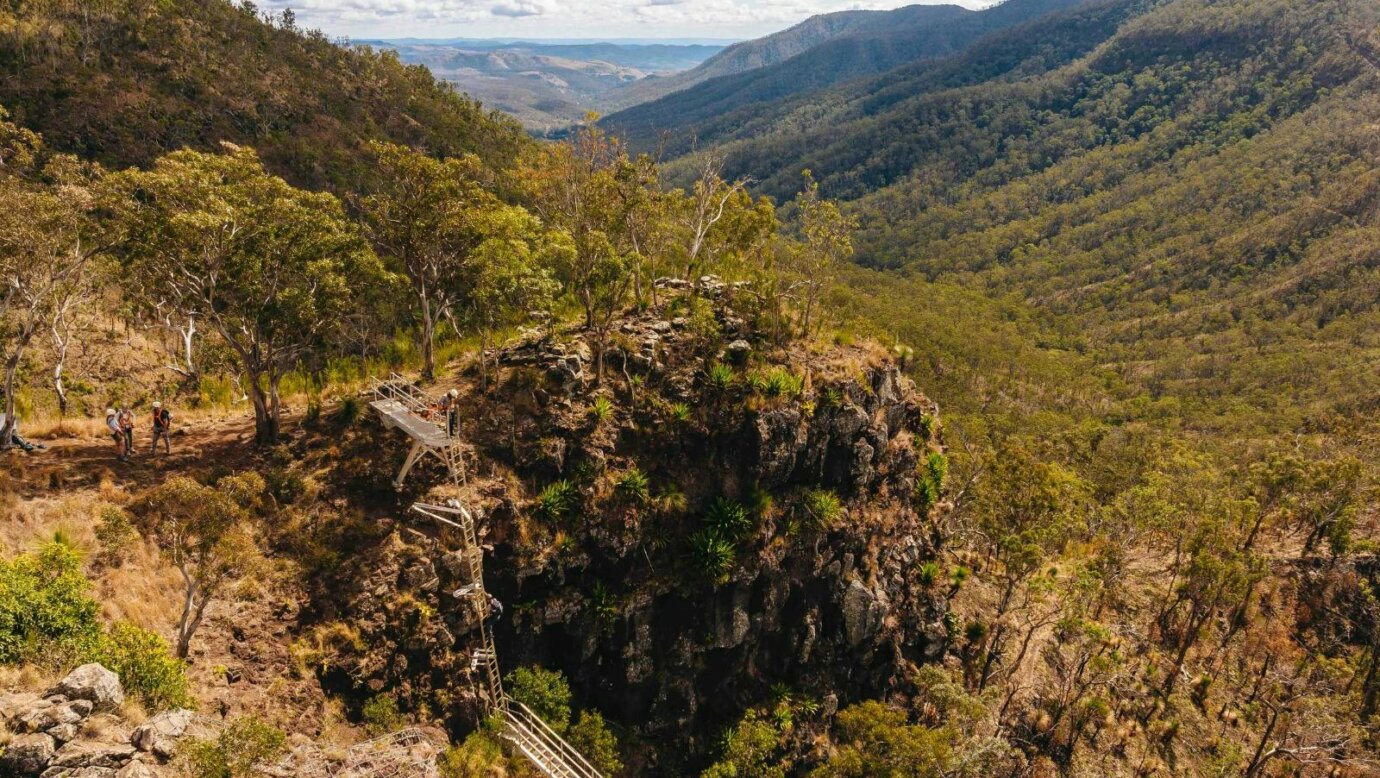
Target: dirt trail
<point x="86" y="459"/>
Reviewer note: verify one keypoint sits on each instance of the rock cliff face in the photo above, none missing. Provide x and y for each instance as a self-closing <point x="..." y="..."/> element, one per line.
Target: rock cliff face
<point x="599" y="574"/>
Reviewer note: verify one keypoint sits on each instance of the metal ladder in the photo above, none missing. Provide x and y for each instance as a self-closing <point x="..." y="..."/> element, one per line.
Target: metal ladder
<point x="532" y="737"/>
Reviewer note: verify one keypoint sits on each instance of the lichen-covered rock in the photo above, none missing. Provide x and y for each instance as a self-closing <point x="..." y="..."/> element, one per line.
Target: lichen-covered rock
<point x="138" y="769"/>
<point x="159" y="735"/>
<point x="42" y="719"/>
<point x="862" y="613"/>
<point x="94" y="683"/>
<point x="27" y="755"/>
<point x="77" y="755"/>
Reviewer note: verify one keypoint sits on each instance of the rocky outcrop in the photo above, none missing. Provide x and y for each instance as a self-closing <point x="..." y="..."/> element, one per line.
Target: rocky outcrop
<point x="605" y="591"/>
<point x="49" y="737"/>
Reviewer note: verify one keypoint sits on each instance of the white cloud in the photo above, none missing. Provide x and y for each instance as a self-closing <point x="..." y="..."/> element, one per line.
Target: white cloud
<point x="565" y="18"/>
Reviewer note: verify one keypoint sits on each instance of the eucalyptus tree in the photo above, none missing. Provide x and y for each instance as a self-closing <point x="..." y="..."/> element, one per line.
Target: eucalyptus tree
<point x="269" y="268"/>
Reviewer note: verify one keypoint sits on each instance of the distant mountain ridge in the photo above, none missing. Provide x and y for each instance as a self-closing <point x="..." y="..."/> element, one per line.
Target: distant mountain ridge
<point x="871" y="43"/>
<point x="750" y="55"/>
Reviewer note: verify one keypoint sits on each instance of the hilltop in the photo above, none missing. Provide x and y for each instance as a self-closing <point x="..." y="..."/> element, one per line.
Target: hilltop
<point x="122" y="82"/>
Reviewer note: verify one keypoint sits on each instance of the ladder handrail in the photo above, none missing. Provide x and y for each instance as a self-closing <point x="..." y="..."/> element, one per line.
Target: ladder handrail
<point x="552" y="740"/>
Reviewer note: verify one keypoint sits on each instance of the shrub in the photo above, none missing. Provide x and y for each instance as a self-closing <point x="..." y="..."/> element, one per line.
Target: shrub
<point x="779" y="382"/>
<point x="680" y="413"/>
<point x="713" y="555"/>
<point x="348" y="413"/>
<point x="926" y="427"/>
<point x="114" y="535"/>
<point x="601" y="409"/>
<point x="634" y="487"/>
<point x="476" y="757"/>
<point x="930" y="482"/>
<point x="820" y="509"/>
<point x="830" y="397"/>
<point x="929" y="574"/>
<point x="592" y="738"/>
<point x="380" y="715"/>
<point x="45" y="610"/>
<point x="720" y="378"/>
<point x="146" y="666"/>
<point x="728" y="518"/>
<point x="960" y="575"/>
<point x="558" y="501"/>
<point x="545" y="692"/>
<point x="240" y="749"/>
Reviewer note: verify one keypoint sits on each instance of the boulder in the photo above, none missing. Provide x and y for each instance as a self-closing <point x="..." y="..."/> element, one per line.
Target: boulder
<point x="27" y="755"/>
<point x="94" y="683"/>
<point x="140" y="770"/>
<point x="41" y="719"/>
<point x="159" y="734"/>
<point x="78" y="755"/>
<point x="862" y="614"/>
<point x="80" y="772"/>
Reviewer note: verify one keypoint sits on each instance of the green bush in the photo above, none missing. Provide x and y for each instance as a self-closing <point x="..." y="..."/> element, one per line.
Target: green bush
<point x="680" y="413"/>
<point x="380" y="715"/>
<point x="545" y="692"/>
<point x="930" y="482"/>
<point x="728" y="518"/>
<point x="929" y="574"/>
<point x="712" y="555"/>
<point x="558" y="501"/>
<point x="779" y="382"/>
<point x="241" y="748"/>
<point x="114" y="535"/>
<point x="476" y="757"/>
<point x="720" y="378"/>
<point x="820" y="510"/>
<point x="592" y="738"/>
<point x="635" y="487"/>
<point x="45" y="609"/>
<point x="601" y="409"/>
<point x="146" y="666"/>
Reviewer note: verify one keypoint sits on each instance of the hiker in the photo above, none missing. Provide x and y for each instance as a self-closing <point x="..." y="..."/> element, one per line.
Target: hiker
<point x="450" y="403"/>
<point x="162" y="428"/>
<point x="127" y="426"/>
<point x="112" y="424"/>
<point x="23" y="444"/>
<point x="495" y="612"/>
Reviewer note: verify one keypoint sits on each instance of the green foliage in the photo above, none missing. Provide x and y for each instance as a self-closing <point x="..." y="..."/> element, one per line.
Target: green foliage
<point x="929" y="573"/>
<point x="114" y="535"/>
<point x="878" y="740"/>
<point x="46" y="611"/>
<point x="591" y="737"/>
<point x="601" y="409"/>
<point x="728" y="519"/>
<point x="634" y="487"/>
<point x="478" y="756"/>
<point x="681" y="413"/>
<point x="720" y="378"/>
<point x="929" y="483"/>
<point x="546" y="692"/>
<point x="146" y="666"/>
<point x="820" y="510"/>
<point x="559" y="501"/>
<point x="245" y="745"/>
<point x="713" y="555"/>
<point x="380" y="715"/>
<point x="750" y="749"/>
<point x="778" y="383"/>
<point x="347" y="413"/>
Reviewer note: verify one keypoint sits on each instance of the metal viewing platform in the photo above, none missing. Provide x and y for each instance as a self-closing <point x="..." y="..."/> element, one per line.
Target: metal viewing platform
<point x="401" y="405"/>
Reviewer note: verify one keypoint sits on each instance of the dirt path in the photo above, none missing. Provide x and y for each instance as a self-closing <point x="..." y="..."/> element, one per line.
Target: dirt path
<point x="85" y="460"/>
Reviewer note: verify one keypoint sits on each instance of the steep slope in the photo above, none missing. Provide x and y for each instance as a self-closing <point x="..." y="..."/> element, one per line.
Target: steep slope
<point x="124" y="81"/>
<point x="1195" y="188"/>
<point x="745" y="56"/>
<point x="882" y="43"/>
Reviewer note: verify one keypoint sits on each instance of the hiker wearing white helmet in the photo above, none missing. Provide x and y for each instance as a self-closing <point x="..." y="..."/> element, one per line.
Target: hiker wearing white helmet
<point x="112" y="424"/>
<point x="162" y="428"/>
<point x="450" y="403"/>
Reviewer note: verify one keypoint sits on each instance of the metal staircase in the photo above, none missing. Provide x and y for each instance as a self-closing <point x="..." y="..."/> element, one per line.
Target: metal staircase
<point x="529" y="735"/>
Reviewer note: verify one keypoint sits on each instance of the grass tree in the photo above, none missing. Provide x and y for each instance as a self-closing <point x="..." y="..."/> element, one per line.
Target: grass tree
<point x="201" y="530"/>
<point x="268" y="267"/>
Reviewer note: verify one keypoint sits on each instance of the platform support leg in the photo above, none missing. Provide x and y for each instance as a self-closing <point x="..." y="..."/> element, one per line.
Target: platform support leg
<point x="416" y="453"/>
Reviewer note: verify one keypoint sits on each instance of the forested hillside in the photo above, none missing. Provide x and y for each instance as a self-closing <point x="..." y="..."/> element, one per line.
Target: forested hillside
<point x="877" y="43"/>
<point x="1185" y="180"/>
<point x="122" y="81"/>
<point x="758" y="53"/>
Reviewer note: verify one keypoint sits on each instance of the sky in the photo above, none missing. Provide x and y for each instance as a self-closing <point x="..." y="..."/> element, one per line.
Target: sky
<point x="601" y="19"/>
